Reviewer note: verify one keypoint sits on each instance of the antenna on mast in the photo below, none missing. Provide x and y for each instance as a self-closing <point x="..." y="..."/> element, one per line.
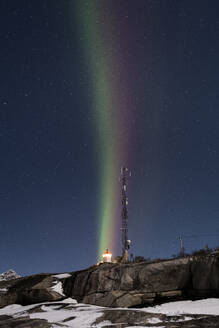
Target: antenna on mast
<point x="125" y="174"/>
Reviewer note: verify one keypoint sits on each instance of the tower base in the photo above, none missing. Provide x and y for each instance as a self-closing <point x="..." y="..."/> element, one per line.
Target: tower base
<point x="125" y="256"/>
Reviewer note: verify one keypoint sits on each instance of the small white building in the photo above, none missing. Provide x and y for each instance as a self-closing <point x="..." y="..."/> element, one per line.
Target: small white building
<point x="107" y="257"/>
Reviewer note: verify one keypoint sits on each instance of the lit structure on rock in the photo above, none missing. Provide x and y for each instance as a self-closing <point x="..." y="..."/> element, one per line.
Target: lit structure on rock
<point x="107" y="257"/>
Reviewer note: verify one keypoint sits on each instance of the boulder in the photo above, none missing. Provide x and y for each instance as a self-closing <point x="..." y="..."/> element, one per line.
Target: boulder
<point x="30" y="290"/>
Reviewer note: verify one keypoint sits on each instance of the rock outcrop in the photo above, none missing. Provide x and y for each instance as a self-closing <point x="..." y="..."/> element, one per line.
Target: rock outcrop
<point x="121" y="285"/>
<point x="9" y="275"/>
<point x="143" y="284"/>
<point x="30" y="290"/>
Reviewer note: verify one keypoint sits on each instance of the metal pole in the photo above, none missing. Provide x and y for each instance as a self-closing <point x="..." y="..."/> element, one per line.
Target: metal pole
<point x="181" y="246"/>
<point x="125" y="173"/>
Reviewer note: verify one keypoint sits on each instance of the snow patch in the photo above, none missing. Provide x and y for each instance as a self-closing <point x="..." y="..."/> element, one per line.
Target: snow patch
<point x="80" y="318"/>
<point x="179" y="319"/>
<point x="58" y="288"/>
<point x="3" y="290"/>
<point x="206" y="306"/>
<point x="154" y="320"/>
<point x="80" y="315"/>
<point x="104" y="324"/>
<point x="16" y="309"/>
<point x="69" y="301"/>
<point x="62" y="276"/>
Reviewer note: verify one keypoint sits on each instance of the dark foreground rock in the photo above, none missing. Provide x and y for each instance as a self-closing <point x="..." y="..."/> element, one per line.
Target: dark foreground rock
<point x="127" y="318"/>
<point x="79" y="315"/>
<point x="10" y="322"/>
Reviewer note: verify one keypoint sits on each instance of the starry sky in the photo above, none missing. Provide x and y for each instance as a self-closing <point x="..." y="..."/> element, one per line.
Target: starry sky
<point x="85" y="88"/>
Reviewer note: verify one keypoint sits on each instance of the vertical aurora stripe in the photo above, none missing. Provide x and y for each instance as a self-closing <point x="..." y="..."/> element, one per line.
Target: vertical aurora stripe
<point x="104" y="107"/>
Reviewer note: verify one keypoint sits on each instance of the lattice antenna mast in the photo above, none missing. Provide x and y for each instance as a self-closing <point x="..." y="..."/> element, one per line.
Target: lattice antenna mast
<point x="125" y="174"/>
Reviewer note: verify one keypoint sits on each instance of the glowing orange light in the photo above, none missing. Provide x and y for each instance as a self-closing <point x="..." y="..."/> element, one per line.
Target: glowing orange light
<point x="107" y="256"/>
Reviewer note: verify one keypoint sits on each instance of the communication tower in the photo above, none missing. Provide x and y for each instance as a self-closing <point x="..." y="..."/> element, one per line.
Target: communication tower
<point x="125" y="174"/>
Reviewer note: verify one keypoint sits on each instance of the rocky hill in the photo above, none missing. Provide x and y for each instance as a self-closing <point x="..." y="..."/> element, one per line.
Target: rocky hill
<point x="143" y="284"/>
<point x="120" y="285"/>
<point x="9" y="275"/>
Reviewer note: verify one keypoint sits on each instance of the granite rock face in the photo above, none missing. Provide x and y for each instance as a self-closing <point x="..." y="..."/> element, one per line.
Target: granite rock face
<point x="143" y="284"/>
<point x="121" y="285"/>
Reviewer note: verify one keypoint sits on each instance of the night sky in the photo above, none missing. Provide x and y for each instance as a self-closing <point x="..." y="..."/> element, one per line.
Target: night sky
<point x="88" y="86"/>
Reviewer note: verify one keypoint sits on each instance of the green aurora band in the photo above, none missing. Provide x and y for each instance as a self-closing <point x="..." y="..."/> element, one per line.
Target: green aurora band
<point x="99" y="68"/>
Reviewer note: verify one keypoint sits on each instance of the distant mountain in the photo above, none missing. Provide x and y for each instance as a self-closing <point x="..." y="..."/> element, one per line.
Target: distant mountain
<point x="9" y="275"/>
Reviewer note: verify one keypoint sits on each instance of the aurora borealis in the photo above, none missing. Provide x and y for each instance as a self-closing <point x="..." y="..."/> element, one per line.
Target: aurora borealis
<point x="86" y="87"/>
<point x="102" y="59"/>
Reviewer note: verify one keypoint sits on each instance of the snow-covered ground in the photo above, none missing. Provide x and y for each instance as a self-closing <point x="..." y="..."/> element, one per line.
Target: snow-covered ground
<point x="79" y="315"/>
<point x="207" y="306"/>
<point x="69" y="313"/>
